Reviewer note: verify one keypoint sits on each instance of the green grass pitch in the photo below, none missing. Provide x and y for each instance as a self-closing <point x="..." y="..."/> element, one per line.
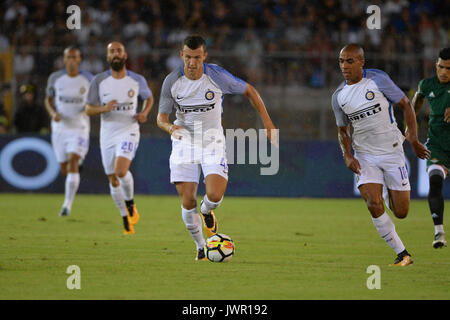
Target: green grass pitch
<point x="285" y="249"/>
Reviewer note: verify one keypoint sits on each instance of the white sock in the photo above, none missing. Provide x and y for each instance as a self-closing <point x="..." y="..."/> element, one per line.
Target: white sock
<point x="386" y="229"/>
<point x="117" y="195"/>
<point x="208" y="205"/>
<point x="127" y="185"/>
<point x="439" y="229"/>
<point x="194" y="225"/>
<point x="71" y="188"/>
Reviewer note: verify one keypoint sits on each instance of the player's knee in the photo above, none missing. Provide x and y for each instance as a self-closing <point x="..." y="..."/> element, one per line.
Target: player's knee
<point x="121" y="173"/>
<point x="401" y="212"/>
<point x="375" y="206"/>
<point x="436" y="184"/>
<point x="214" y="196"/>
<point x="189" y="203"/>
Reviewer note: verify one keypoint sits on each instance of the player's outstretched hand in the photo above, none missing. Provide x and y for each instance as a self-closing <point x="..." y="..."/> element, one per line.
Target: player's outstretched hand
<point x="447" y="115"/>
<point x="420" y="150"/>
<point x="110" y="105"/>
<point x="141" y="117"/>
<point x="353" y="164"/>
<point x="272" y="134"/>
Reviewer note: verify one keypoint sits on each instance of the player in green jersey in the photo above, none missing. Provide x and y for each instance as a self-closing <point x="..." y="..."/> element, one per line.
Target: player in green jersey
<point x="437" y="91"/>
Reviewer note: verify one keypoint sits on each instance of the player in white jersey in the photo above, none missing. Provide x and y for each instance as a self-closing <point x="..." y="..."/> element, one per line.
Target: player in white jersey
<point x="364" y="101"/>
<point x="196" y="91"/>
<point x="65" y="101"/>
<point x="114" y="95"/>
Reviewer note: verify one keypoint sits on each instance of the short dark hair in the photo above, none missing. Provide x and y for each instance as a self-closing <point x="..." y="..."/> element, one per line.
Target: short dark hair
<point x="444" y="54"/>
<point x="72" y="48"/>
<point x="194" y="41"/>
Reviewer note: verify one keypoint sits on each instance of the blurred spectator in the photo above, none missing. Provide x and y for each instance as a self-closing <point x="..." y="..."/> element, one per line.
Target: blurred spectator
<point x="92" y="63"/>
<point x="274" y="43"/>
<point x="4" y="43"/>
<point x="135" y="28"/>
<point x="3" y="119"/>
<point x="23" y="63"/>
<point x="102" y="14"/>
<point x="298" y="33"/>
<point x="393" y="7"/>
<point x="279" y="26"/>
<point x="220" y="13"/>
<point x="174" y="61"/>
<point x="30" y="116"/>
<point x="138" y="49"/>
<point x="176" y="36"/>
<point x="14" y="11"/>
<point x="45" y="57"/>
<point x="90" y="28"/>
<point x="249" y="52"/>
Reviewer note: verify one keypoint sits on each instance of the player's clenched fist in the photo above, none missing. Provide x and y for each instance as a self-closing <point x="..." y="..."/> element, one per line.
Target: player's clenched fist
<point x="272" y="134"/>
<point x="56" y="117"/>
<point x="141" y="117"/>
<point x="353" y="164"/>
<point x="110" y="105"/>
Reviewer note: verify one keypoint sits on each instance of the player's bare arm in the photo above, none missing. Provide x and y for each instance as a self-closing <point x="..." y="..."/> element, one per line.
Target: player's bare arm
<point x="411" y="131"/>
<point x="417" y="102"/>
<point x="255" y="99"/>
<point x="92" y="110"/>
<point x="143" y="115"/>
<point x="50" y="107"/>
<point x="345" y="142"/>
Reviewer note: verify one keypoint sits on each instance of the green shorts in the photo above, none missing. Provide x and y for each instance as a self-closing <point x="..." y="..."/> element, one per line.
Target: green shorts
<point x="438" y="155"/>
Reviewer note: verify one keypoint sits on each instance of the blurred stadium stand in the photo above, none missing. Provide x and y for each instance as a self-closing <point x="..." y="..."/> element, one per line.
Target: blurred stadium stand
<point x="288" y="49"/>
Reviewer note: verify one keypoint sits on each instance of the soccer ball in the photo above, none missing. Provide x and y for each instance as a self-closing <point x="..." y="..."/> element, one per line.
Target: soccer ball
<point x="219" y="248"/>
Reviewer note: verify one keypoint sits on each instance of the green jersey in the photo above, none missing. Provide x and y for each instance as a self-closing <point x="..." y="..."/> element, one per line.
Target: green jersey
<point x="438" y="95"/>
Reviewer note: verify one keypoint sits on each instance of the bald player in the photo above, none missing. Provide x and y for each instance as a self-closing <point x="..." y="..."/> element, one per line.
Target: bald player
<point x="65" y="101"/>
<point x="364" y="101"/>
<point x="114" y="95"/>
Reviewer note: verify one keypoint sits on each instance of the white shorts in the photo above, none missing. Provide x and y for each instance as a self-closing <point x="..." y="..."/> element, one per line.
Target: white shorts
<point x="186" y="164"/>
<point x="67" y="142"/>
<point x="125" y="146"/>
<point x="387" y="169"/>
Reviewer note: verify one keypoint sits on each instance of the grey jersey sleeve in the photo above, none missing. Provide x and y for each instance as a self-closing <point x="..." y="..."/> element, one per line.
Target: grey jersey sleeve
<point x="50" y="90"/>
<point x="93" y="97"/>
<point x="144" y="91"/>
<point x="385" y="85"/>
<point x="227" y="82"/>
<point x="166" y="101"/>
<point x="341" y="117"/>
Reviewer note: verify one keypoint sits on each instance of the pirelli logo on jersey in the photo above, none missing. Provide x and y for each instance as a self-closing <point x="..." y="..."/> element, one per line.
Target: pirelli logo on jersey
<point x="364" y="113"/>
<point x="202" y="108"/>
<point x="77" y="100"/>
<point x="124" y="106"/>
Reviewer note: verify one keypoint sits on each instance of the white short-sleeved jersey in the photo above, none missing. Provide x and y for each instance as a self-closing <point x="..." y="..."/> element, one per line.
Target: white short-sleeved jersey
<point x="70" y="95"/>
<point x="199" y="101"/>
<point x="367" y="105"/>
<point x="120" y="121"/>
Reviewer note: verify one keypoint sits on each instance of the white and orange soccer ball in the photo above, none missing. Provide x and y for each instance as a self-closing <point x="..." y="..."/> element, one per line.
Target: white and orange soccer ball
<point x="219" y="248"/>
